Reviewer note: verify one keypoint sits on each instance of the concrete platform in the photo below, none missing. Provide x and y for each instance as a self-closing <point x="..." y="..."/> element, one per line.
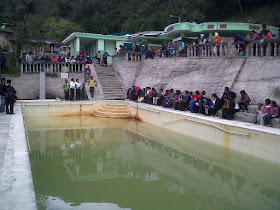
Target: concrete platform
<point x="16" y="184"/>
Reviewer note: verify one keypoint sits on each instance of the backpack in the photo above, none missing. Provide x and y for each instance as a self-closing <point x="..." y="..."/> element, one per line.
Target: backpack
<point x="143" y="48"/>
<point x="10" y="93"/>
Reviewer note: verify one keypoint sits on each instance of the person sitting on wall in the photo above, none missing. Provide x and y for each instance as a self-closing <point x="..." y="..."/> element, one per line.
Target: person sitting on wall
<point x="228" y="108"/>
<point x="54" y="59"/>
<point x="72" y="59"/>
<point x="82" y="59"/>
<point x="265" y="35"/>
<point x="194" y="106"/>
<point x="274" y="113"/>
<point x="267" y="110"/>
<point x="135" y="93"/>
<point x="244" y="101"/>
<point x="227" y="93"/>
<point x="160" y="97"/>
<point x="217" y="39"/>
<point x="60" y="58"/>
<point x="171" y="98"/>
<point x="48" y="59"/>
<point x="254" y="37"/>
<point x="202" y="101"/>
<point x="183" y="104"/>
<point x="165" y="102"/>
<point x="78" y="59"/>
<point x="154" y="95"/>
<point x="259" y="111"/>
<point x="190" y="98"/>
<point x="148" y="96"/>
<point x="142" y="95"/>
<point x="215" y="105"/>
<point x="177" y="100"/>
<point x="239" y="38"/>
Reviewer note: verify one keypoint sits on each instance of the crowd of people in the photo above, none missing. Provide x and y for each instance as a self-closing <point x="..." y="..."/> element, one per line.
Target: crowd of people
<point x="81" y="58"/>
<point x="74" y="88"/>
<point x="71" y="89"/>
<point x="180" y="48"/>
<point x="8" y="96"/>
<point x="198" y="102"/>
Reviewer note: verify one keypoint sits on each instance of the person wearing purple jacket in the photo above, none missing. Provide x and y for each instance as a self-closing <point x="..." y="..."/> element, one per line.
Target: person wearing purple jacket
<point x="274" y="113"/>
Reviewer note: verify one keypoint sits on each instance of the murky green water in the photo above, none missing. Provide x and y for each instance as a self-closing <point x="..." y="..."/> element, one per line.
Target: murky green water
<point x="93" y="163"/>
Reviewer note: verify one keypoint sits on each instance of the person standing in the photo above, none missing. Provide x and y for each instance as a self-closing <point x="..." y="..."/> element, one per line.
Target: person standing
<point x="10" y="98"/>
<point x="78" y="86"/>
<point x="105" y="56"/>
<point x="3" y="63"/>
<point x="98" y="56"/>
<point x="92" y="84"/>
<point x="72" y="89"/>
<point x="66" y="90"/>
<point x="29" y="59"/>
<point x="3" y="88"/>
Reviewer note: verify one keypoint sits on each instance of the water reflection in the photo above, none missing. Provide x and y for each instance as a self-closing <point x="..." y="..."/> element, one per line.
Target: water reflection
<point x="118" y="166"/>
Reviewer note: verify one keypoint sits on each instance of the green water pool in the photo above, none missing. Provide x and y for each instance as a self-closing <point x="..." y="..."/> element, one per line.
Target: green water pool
<point x="95" y="163"/>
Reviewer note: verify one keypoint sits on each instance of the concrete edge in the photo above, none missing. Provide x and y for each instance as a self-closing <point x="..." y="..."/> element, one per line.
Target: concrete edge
<point x="23" y="193"/>
<point x="233" y="123"/>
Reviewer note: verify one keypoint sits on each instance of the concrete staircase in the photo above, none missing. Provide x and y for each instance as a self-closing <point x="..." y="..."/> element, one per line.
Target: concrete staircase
<point x="109" y="82"/>
<point x="113" y="110"/>
<point x="98" y="92"/>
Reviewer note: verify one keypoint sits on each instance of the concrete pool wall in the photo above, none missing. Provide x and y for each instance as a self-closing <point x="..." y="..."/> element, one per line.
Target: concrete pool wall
<point x="258" y="141"/>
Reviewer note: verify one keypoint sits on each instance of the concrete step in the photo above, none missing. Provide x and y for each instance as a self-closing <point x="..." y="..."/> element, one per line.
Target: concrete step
<point x="113" y="110"/>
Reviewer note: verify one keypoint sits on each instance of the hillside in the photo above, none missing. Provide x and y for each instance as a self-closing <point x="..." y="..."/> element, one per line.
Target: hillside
<point x="56" y="19"/>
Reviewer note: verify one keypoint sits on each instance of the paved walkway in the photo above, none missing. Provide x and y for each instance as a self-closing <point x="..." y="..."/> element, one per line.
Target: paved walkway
<point x="5" y="123"/>
<point x="16" y="185"/>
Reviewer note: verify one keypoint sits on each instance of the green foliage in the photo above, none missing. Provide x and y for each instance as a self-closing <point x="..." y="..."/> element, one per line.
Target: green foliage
<point x="57" y="19"/>
<point x="12" y="67"/>
<point x="57" y="29"/>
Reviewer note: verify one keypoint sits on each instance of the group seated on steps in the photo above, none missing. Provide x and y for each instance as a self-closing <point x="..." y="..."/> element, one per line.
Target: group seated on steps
<point x="226" y="107"/>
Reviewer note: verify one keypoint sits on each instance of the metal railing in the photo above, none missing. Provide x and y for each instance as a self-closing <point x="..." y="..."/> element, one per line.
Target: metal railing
<point x="34" y="67"/>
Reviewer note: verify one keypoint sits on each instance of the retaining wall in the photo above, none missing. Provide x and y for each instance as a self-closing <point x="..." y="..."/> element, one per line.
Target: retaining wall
<point x="259" y="77"/>
<point x="28" y="85"/>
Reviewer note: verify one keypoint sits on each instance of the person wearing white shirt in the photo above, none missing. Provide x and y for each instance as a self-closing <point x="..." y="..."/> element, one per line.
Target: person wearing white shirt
<point x="72" y="89"/>
<point x="78" y="90"/>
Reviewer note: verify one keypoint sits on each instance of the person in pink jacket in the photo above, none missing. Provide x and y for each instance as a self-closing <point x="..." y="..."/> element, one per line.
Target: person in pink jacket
<point x="261" y="115"/>
<point x="273" y="113"/>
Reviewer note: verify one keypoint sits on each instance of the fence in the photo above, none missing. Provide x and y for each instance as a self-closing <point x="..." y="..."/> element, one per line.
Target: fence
<point x="51" y="67"/>
<point x="232" y="49"/>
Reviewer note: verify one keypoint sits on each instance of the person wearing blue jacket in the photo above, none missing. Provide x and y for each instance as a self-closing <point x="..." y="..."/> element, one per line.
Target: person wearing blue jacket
<point x="105" y="56"/>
